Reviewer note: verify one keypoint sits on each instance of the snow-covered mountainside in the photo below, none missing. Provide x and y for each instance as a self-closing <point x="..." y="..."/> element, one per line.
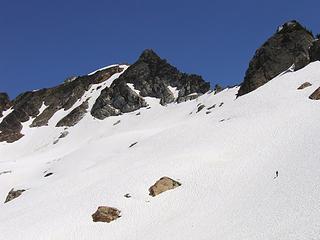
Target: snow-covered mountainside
<point x="243" y="167"/>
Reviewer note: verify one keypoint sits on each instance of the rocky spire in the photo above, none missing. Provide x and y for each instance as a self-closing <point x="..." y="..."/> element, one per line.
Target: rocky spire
<point x="289" y="45"/>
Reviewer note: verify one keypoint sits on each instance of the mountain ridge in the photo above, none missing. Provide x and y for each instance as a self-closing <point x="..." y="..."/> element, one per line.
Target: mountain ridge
<point x="114" y="100"/>
<point x="292" y="46"/>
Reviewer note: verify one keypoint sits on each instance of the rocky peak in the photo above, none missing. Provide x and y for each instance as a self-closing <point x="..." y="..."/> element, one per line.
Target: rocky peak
<point x="288" y="46"/>
<point x="292" y="26"/>
<point x="152" y="76"/>
<point x="149" y="56"/>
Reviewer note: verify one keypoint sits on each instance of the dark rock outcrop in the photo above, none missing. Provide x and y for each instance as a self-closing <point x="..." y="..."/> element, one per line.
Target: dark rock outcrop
<point x="152" y="75"/>
<point x="4" y="102"/>
<point x="127" y="195"/>
<point x="162" y="185"/>
<point x="48" y="174"/>
<point x="117" y="99"/>
<point x="106" y="214"/>
<point x="13" y="194"/>
<point x="315" y="95"/>
<point x="64" y="96"/>
<point x="213" y="106"/>
<point x="304" y="85"/>
<point x="290" y="45"/>
<point x="133" y="144"/>
<point x="74" y="116"/>
<point x="315" y="51"/>
<point x="200" y="107"/>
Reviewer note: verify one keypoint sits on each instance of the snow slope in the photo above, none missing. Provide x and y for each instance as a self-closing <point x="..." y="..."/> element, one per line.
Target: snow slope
<point x="226" y="161"/>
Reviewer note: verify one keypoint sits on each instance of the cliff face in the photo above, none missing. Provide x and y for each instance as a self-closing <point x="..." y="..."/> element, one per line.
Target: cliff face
<point x="289" y="46"/>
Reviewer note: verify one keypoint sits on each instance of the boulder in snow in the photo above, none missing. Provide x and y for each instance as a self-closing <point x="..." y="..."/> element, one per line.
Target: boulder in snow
<point x="131" y="145"/>
<point x="200" y="107"/>
<point x="162" y="185"/>
<point x="13" y="194"/>
<point x="315" y="95"/>
<point x="106" y="214"/>
<point x="304" y="85"/>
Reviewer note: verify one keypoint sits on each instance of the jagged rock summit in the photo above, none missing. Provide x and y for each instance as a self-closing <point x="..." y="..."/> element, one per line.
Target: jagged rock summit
<point x="153" y="76"/>
<point x="120" y="88"/>
<point x="288" y="47"/>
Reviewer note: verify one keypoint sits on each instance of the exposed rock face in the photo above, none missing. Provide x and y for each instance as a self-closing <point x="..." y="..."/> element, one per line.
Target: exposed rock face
<point x="315" y="95"/>
<point x="152" y="75"/>
<point x="74" y="116"/>
<point x="13" y="194"/>
<point x="290" y="45"/>
<point x="10" y="137"/>
<point x="64" y="96"/>
<point x="106" y="214"/>
<point x="304" y="85"/>
<point x="117" y="99"/>
<point x="315" y="51"/>
<point x="4" y="102"/>
<point x="162" y="185"/>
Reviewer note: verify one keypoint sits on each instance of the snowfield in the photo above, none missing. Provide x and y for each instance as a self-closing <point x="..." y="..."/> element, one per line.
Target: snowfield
<point x="225" y="158"/>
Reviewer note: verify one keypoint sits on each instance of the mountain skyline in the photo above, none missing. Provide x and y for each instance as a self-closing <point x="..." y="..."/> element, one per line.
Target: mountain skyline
<point x="43" y="44"/>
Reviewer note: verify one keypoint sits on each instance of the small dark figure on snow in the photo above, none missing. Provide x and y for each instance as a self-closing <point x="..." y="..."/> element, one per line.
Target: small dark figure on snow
<point x="277" y="174"/>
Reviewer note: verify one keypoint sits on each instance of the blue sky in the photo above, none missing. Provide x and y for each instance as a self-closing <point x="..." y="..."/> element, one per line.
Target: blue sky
<point x="43" y="42"/>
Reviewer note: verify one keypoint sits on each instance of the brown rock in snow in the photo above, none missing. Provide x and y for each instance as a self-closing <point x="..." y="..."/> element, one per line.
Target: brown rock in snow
<point x="162" y="185"/>
<point x="304" y="85"/>
<point x="106" y="214"/>
<point x="315" y="95"/>
<point x="13" y="194"/>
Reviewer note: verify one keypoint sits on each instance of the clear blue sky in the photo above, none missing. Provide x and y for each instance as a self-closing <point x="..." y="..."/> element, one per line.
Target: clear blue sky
<point x="43" y="42"/>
